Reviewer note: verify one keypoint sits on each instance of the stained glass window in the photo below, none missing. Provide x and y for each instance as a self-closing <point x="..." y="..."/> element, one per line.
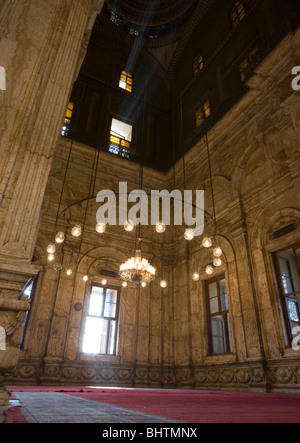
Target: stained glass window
<point x="238" y="13"/>
<point x="198" y="64"/>
<point x="203" y="113"/>
<point x="126" y="81"/>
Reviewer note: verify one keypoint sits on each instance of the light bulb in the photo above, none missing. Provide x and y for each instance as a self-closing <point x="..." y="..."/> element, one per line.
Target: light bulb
<point x="217" y="252"/>
<point x="60" y="238"/>
<point x="207" y="242"/>
<point x="124" y="284"/>
<point x="144" y="284"/>
<point x="86" y="278"/>
<point x="57" y="267"/>
<point x="217" y="262"/>
<point x="69" y="272"/>
<point x="209" y="270"/>
<point x="129" y="226"/>
<point x="101" y="228"/>
<point x="51" y="257"/>
<point x="76" y="231"/>
<point x="160" y="227"/>
<point x="196" y="276"/>
<point x="104" y="282"/>
<point x="163" y="284"/>
<point x="189" y="234"/>
<point x="51" y="248"/>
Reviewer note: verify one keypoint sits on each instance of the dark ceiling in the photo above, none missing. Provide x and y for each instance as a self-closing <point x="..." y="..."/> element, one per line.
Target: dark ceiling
<point x="155" y="16"/>
<point x="159" y="22"/>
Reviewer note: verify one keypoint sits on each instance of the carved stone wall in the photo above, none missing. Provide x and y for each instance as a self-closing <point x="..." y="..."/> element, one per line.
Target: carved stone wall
<point x="163" y="338"/>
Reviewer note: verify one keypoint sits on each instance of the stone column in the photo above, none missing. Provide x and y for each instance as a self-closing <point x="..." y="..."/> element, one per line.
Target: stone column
<point x="41" y="44"/>
<point x="13" y="308"/>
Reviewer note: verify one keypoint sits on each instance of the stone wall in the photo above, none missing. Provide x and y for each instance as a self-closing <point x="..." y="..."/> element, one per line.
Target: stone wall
<point x="163" y="340"/>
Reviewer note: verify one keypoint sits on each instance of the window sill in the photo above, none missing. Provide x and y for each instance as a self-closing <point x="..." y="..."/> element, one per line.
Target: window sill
<point x="220" y="358"/>
<point x="100" y="358"/>
<point x="290" y="352"/>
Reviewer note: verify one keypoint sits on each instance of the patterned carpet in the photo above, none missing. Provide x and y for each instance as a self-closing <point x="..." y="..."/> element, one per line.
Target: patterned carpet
<point x="53" y="407"/>
<point x="124" y="405"/>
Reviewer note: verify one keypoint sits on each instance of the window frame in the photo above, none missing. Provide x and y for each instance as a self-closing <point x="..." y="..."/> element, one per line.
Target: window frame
<point x="282" y="296"/>
<point x="198" y="64"/>
<point x="116" y="318"/>
<point x="128" y="81"/>
<point x="246" y="62"/>
<point x="203" y="107"/>
<point x="237" y="16"/>
<point x="227" y="337"/>
<point x="118" y="144"/>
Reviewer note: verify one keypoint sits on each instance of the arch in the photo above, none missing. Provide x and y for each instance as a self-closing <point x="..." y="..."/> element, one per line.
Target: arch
<point x="268" y="222"/>
<point x="87" y="261"/>
<point x="199" y="258"/>
<point x="225" y="192"/>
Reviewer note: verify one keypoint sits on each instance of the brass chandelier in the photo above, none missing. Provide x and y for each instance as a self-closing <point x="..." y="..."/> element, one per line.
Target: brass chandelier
<point x="137" y="270"/>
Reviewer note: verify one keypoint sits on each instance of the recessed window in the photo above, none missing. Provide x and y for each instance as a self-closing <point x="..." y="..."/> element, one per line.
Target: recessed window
<point x="101" y="324"/>
<point x="126" y="81"/>
<point x="246" y="64"/>
<point x="198" y="65"/>
<point x="120" y="137"/>
<point x="203" y="113"/>
<point x="238" y="14"/>
<point x="287" y="264"/>
<point x="218" y="316"/>
<point x="67" y="123"/>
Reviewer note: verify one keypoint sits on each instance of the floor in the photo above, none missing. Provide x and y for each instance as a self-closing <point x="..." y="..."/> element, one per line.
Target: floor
<point x="104" y="405"/>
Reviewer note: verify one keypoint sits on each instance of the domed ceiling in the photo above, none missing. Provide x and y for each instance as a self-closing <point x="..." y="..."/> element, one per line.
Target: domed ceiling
<point x="160" y="29"/>
<point x="151" y="18"/>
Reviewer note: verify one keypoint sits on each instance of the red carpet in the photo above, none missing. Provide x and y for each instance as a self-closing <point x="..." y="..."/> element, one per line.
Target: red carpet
<point x="186" y="406"/>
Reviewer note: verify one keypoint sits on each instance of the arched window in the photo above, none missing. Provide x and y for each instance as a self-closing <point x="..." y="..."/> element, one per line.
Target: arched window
<point x="126" y="81"/>
<point x="198" y="65"/>
<point x="238" y="13"/>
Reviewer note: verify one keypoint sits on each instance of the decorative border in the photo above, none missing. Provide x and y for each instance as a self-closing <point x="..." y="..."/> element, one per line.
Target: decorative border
<point x="272" y="377"/>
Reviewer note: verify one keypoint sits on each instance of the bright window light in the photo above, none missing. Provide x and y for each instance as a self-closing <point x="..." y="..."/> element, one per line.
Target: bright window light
<point x="121" y="130"/>
<point x="100" y="332"/>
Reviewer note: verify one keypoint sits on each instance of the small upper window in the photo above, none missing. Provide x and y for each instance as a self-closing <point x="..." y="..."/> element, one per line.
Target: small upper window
<point x="203" y="113"/>
<point x="198" y="65"/>
<point x="120" y="138"/>
<point x="68" y="118"/>
<point x="126" y="81"/>
<point x="246" y="64"/>
<point x="238" y="13"/>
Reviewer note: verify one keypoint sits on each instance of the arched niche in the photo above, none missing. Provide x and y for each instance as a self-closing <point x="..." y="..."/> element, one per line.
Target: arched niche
<point x="271" y="232"/>
<point x="198" y="261"/>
